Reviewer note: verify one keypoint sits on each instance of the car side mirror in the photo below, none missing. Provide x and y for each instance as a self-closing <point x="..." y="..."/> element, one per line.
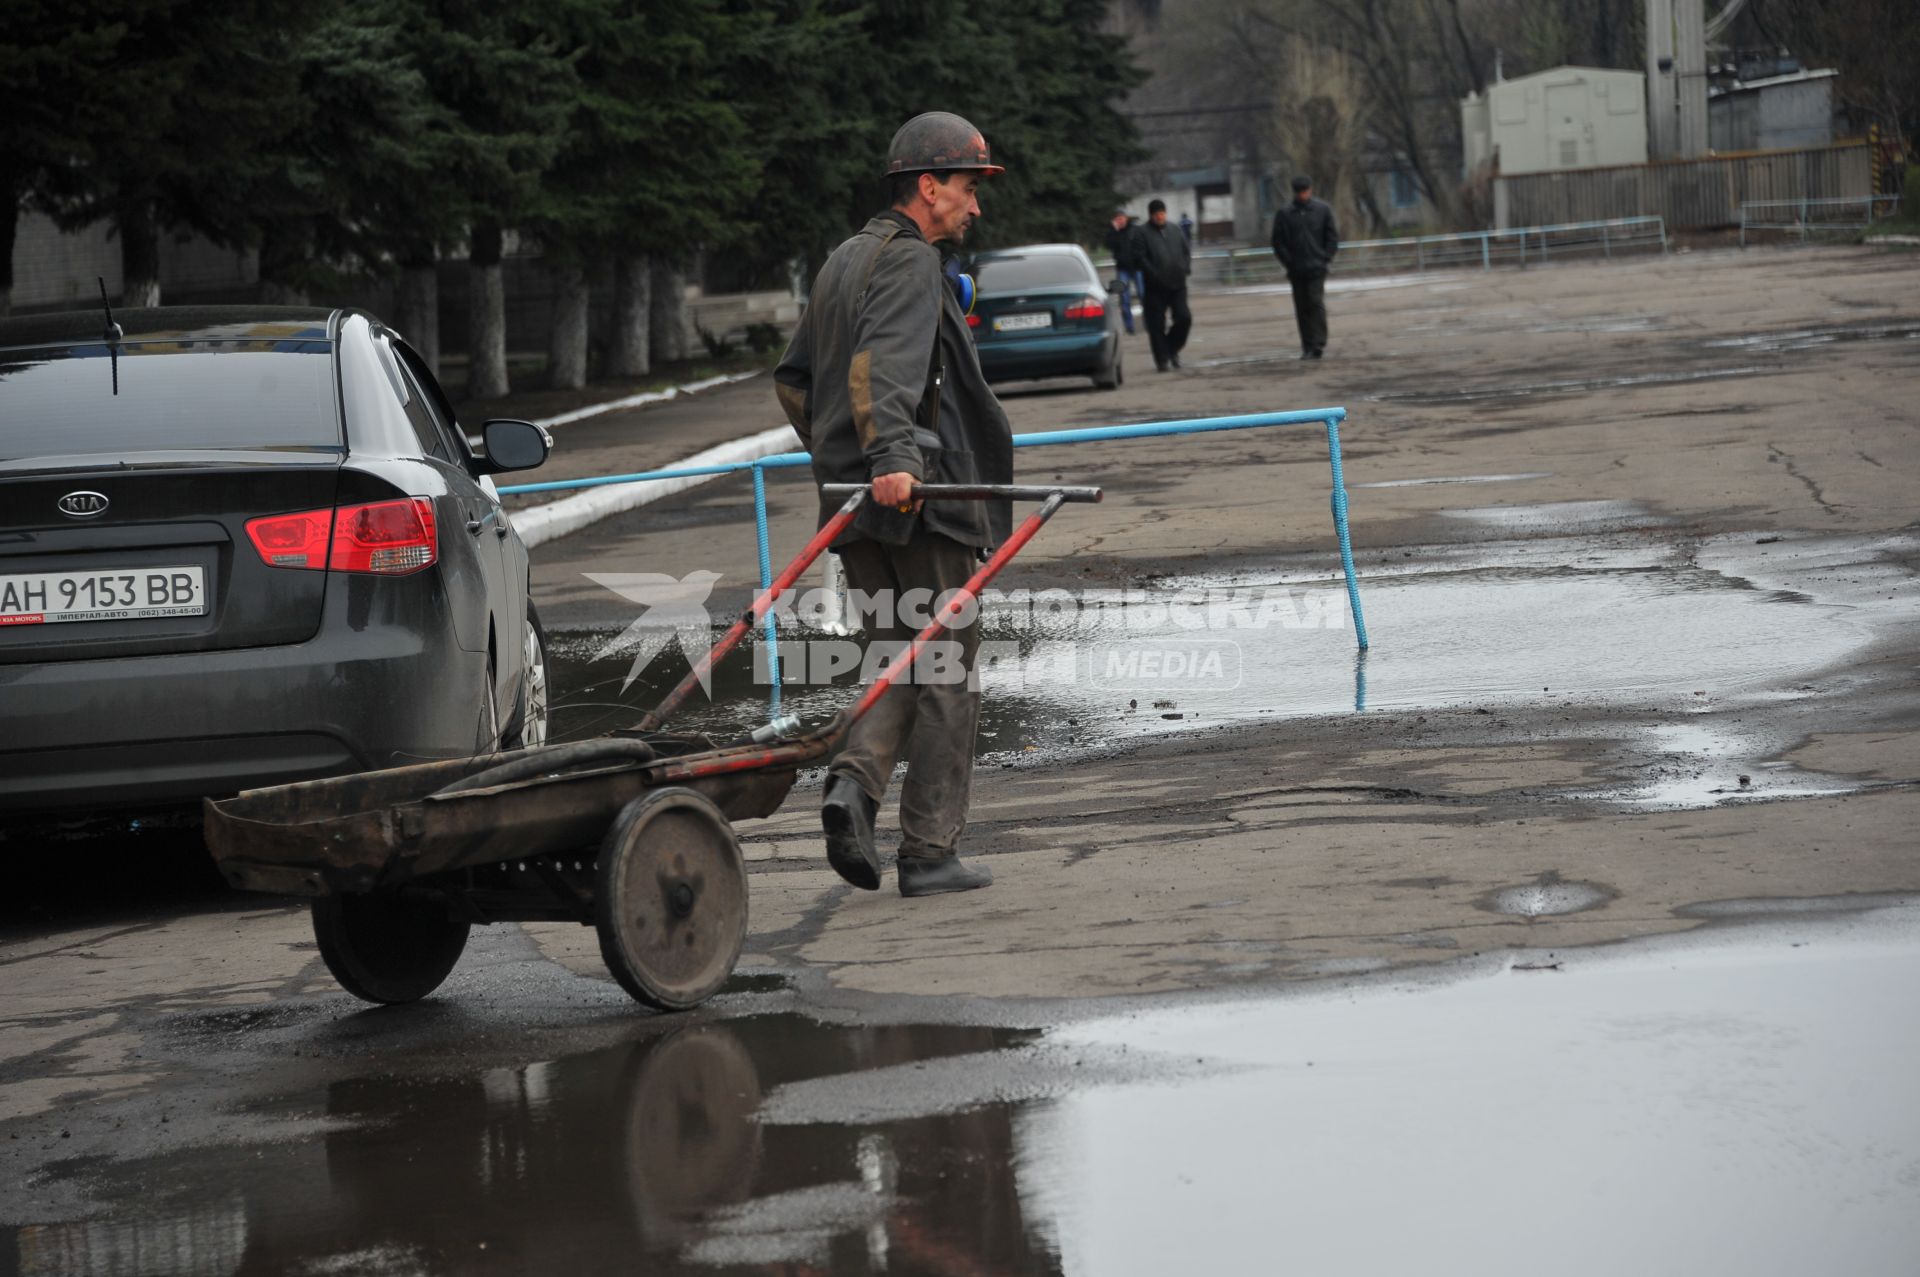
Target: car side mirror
<point x="1113" y="288"/>
<point x="514" y="445"/>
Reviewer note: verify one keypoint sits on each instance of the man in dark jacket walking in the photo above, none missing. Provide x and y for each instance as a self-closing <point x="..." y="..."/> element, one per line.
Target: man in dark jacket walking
<point x="1305" y="240"/>
<point x="1165" y="262"/>
<point x="882" y="383"/>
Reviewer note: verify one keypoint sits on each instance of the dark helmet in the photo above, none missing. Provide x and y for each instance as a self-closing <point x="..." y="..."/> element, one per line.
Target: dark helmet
<point x="939" y="140"/>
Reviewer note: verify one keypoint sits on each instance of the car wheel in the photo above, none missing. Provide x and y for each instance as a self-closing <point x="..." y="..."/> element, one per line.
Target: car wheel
<point x="1110" y="377"/>
<point x="529" y="725"/>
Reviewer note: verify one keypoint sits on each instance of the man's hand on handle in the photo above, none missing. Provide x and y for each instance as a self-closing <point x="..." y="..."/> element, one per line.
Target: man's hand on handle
<point x="896" y="491"/>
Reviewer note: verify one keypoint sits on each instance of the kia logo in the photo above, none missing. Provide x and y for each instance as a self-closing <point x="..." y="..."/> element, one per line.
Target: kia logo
<point x="82" y="505"/>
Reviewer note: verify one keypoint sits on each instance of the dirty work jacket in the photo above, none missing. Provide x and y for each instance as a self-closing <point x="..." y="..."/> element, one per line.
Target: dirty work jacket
<point x="881" y="378"/>
<point x="1305" y="238"/>
<point x="1164" y="255"/>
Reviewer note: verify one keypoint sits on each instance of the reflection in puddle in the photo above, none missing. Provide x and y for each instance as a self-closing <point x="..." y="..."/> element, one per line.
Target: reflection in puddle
<point x="1758" y="1075"/>
<point x="646" y="1156"/>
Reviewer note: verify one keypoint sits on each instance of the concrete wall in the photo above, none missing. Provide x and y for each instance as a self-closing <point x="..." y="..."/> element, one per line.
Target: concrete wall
<point x="52" y="268"/>
<point x="1566" y="118"/>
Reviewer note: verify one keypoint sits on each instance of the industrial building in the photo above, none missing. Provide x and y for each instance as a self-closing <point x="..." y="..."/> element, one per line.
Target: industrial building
<point x="1564" y="118"/>
<point x="1772" y="113"/>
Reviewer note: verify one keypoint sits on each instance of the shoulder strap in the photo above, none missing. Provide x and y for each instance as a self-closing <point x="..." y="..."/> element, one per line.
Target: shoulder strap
<point x="866" y="281"/>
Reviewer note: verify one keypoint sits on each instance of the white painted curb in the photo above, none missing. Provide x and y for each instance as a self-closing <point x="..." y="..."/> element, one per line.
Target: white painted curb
<point x="543" y="523"/>
<point x="641" y="400"/>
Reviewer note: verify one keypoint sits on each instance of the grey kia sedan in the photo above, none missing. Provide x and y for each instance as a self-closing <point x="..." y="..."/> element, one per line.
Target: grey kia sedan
<point x="241" y="546"/>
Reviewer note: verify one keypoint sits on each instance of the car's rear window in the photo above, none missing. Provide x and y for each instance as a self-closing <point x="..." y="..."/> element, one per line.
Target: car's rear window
<point x="1035" y="270"/>
<point x="262" y="392"/>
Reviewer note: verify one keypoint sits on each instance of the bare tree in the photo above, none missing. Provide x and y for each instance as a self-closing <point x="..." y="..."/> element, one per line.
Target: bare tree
<point x="1320" y="120"/>
<point x="1875" y="45"/>
<point x="1414" y="97"/>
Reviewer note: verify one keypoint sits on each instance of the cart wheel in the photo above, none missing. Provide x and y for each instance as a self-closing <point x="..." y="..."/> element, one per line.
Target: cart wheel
<point x="382" y="948"/>
<point x="671" y="900"/>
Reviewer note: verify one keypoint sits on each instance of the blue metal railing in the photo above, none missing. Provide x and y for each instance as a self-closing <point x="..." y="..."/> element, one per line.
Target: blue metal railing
<point x="1232" y="266"/>
<point x="1329" y="417"/>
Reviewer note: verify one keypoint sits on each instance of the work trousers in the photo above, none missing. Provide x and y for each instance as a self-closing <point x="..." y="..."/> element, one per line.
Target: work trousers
<point x="1159" y="303"/>
<point x="1129" y="285"/>
<point x="931" y="721"/>
<point x="1310" y="311"/>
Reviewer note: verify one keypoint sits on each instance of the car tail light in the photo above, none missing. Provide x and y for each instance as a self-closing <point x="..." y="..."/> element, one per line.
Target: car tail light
<point x="973" y="321"/>
<point x="390" y="538"/>
<point x="292" y="540"/>
<point x="1088" y="307"/>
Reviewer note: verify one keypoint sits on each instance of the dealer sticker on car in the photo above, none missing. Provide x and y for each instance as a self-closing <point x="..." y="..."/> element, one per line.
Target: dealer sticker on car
<point x="130" y="594"/>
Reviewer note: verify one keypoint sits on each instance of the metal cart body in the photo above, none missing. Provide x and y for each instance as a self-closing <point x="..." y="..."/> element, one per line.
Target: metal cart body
<point x="631" y="833"/>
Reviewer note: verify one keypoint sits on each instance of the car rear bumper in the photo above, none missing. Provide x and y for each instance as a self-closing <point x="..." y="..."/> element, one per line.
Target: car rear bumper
<point x="384" y="683"/>
<point x="1055" y="355"/>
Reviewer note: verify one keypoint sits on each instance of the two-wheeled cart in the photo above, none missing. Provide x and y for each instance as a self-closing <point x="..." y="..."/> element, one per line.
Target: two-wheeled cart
<point x="629" y="833"/>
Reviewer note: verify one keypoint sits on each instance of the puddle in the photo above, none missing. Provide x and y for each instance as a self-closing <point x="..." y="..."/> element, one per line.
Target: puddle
<point x="1361" y="284"/>
<point x="1557" y="1111"/>
<point x="1564" y="517"/>
<point x="1468" y="478"/>
<point x="1757" y="1074"/>
<point x="1549" y="897"/>
<point x="1544" y="622"/>
<point x="1824" y="335"/>
<point x="1701" y="764"/>
<point x="646" y="1157"/>
<point x="1527" y="390"/>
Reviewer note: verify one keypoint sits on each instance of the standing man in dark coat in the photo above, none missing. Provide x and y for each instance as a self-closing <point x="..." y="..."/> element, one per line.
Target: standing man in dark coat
<point x="882" y="383"/>
<point x="1165" y="262"/>
<point x="1120" y="242"/>
<point x="1305" y="240"/>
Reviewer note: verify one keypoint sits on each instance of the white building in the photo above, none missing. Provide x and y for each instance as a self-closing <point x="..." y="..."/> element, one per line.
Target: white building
<point x="1568" y="117"/>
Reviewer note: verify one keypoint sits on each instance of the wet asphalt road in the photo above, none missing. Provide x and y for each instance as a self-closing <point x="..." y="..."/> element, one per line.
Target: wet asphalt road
<point x="1287" y="954"/>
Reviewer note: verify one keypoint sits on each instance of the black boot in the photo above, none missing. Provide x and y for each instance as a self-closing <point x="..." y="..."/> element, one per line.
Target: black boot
<point x="932" y="877"/>
<point x="847" y="816"/>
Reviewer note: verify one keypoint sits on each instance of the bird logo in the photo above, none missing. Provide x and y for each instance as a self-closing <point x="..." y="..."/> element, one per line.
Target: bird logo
<point x="673" y="608"/>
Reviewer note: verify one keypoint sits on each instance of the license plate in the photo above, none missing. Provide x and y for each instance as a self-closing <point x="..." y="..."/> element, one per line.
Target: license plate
<point x="122" y="594"/>
<point x="1021" y="323"/>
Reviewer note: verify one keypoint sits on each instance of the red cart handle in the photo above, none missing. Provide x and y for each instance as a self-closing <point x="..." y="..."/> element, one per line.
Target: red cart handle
<point x="855" y="494"/>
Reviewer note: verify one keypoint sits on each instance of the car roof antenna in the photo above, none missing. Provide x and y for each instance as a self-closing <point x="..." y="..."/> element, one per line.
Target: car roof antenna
<point x="113" y="333"/>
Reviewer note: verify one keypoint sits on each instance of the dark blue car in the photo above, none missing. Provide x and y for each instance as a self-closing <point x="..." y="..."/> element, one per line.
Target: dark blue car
<point x="1044" y="311"/>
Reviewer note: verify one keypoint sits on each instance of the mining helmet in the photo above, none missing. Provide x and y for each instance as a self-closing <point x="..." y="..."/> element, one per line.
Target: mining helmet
<point x="936" y="141"/>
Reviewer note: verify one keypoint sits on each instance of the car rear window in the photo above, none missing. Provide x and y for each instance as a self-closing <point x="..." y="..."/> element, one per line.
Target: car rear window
<point x="1036" y="270"/>
<point x="263" y="392"/>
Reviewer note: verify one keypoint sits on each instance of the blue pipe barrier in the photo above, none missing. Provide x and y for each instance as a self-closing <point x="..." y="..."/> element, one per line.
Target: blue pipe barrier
<point x="1331" y="417"/>
<point x="1340" y="527"/>
<point x="766" y="580"/>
